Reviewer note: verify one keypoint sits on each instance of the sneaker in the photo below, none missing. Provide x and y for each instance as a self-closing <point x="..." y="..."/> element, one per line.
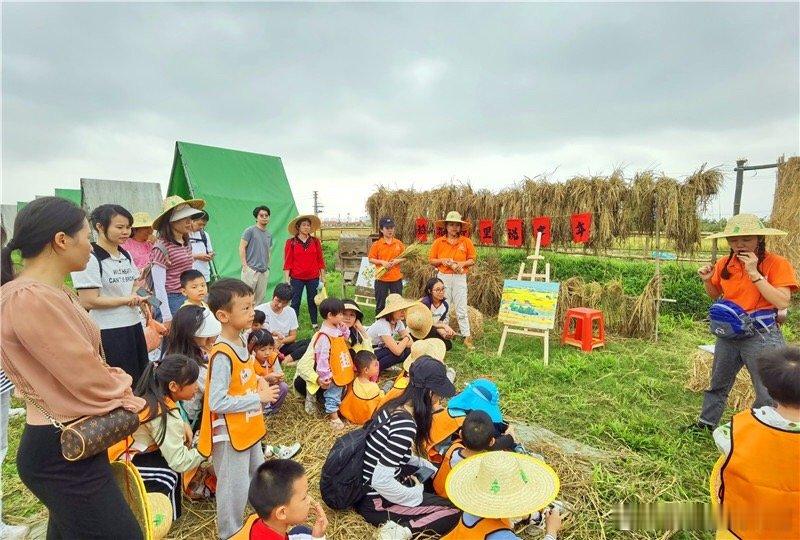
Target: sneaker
<point x="337" y="424"/>
<point x="311" y="404"/>
<point x="538" y="518"/>
<point x="315" y="327"/>
<point x="13" y="532"/>
<point x="394" y="531"/>
<point x="697" y="427"/>
<point x="468" y="343"/>
<point x="281" y="451"/>
<point x="451" y="374"/>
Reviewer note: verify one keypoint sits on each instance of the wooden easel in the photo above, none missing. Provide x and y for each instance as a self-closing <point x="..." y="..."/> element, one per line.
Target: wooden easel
<point x="532" y="276"/>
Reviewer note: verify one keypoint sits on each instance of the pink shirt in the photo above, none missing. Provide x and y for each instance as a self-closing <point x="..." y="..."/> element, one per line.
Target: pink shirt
<point x="180" y="260"/>
<point x="322" y="349"/>
<point x="140" y="252"/>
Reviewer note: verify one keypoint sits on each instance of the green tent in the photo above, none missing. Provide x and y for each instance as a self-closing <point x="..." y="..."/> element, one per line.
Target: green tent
<point x="73" y="195"/>
<point x="233" y="183"/>
<point x="21" y="205"/>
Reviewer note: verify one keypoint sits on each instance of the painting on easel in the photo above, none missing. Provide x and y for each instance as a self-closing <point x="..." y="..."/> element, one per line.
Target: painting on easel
<point x="529" y="304"/>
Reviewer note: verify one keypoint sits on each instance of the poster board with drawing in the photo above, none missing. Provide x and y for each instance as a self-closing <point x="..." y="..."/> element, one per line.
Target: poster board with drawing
<point x="529" y="304"/>
<point x="365" y="282"/>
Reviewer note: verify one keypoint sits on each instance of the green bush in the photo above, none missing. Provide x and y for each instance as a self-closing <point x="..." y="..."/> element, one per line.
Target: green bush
<point x="330" y="250"/>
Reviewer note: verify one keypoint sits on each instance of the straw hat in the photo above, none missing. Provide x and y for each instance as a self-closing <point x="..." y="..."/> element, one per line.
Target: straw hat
<point x="353" y="306"/>
<point x="395" y="302"/>
<point x="132" y="487"/>
<point x="454" y="217"/>
<point x="321" y="295"/>
<point x="141" y="220"/>
<point x="419" y="320"/>
<point x="502" y="485"/>
<point x="160" y="514"/>
<point x="183" y="208"/>
<point x="316" y="224"/>
<point x="433" y="347"/>
<point x="746" y="225"/>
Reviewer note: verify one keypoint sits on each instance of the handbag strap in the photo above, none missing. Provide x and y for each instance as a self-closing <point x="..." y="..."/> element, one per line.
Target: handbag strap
<point x="41" y="409"/>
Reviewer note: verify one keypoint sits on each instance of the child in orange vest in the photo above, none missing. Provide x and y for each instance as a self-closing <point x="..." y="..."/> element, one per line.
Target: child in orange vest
<point x="760" y="481"/>
<point x="279" y="495"/>
<point x="332" y="360"/>
<point x="363" y="397"/>
<point x="477" y="435"/>
<point x="232" y="424"/>
<point x="261" y="345"/>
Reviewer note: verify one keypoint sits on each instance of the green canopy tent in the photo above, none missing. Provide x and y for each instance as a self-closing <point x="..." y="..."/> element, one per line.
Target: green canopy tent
<point x="232" y="183"/>
<point x="21" y="205"/>
<point x="74" y="195"/>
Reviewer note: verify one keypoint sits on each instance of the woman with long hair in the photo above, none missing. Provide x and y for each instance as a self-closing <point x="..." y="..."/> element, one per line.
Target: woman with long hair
<point x="51" y="352"/>
<point x="434" y="299"/>
<point x="755" y="282"/>
<point x="391" y="457"/>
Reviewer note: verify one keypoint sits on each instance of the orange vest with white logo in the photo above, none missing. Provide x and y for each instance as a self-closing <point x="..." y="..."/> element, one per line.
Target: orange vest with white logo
<point x="443" y="425"/>
<point x="262" y="370"/>
<point x="440" y="477"/>
<point x="340" y="360"/>
<point x="244" y="532"/>
<point x="358" y="409"/>
<point x="760" y="488"/>
<point x="399" y="386"/>
<point x="244" y="428"/>
<point x="126" y="445"/>
<point x="479" y="531"/>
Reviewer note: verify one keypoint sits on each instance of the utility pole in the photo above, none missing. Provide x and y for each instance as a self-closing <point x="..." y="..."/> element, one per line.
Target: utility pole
<point x="318" y="207"/>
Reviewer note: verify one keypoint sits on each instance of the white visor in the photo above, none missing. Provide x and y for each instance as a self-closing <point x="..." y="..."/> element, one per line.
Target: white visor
<point x="182" y="211"/>
<point x="211" y="327"/>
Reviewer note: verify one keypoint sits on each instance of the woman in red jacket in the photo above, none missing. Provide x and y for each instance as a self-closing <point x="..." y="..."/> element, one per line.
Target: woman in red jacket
<point x="303" y="263"/>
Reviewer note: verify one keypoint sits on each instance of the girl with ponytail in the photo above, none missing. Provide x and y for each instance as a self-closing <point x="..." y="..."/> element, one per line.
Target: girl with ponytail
<point x="51" y="352"/>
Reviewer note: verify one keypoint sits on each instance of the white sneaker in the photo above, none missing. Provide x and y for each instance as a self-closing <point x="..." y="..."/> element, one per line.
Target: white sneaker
<point x="394" y="531"/>
<point x="281" y="451"/>
<point x="451" y="374"/>
<point x="311" y="404"/>
<point x="13" y="532"/>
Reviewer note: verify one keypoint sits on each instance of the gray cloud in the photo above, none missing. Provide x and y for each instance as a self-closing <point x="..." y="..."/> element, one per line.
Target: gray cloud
<point x="360" y="94"/>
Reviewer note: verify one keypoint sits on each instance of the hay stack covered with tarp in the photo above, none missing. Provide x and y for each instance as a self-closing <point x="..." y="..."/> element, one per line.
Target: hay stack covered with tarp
<point x="786" y="210"/>
<point x="620" y="206"/>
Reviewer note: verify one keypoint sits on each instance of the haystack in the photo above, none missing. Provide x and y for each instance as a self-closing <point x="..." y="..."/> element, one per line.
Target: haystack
<point x="786" y="210"/>
<point x="475" y="321"/>
<point x="742" y="394"/>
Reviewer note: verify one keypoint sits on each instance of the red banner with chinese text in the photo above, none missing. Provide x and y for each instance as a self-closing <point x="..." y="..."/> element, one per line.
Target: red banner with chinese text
<point x="421" y="229"/>
<point x="514" y="233"/>
<point x="581" y="225"/>
<point x="542" y="225"/>
<point x="486" y="232"/>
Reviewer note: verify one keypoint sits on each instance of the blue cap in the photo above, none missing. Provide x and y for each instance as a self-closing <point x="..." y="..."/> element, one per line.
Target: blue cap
<point x="479" y="395"/>
<point x="386" y="222"/>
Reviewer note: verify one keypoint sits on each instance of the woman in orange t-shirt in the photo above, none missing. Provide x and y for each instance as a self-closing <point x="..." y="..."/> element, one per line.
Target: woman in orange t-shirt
<point x="453" y="254"/>
<point x="385" y="253"/>
<point x="754" y="279"/>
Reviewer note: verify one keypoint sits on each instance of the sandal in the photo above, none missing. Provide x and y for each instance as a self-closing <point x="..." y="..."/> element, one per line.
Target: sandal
<point x="337" y="424"/>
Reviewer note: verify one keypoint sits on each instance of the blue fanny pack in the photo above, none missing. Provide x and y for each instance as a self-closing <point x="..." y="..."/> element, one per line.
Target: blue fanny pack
<point x="729" y="321"/>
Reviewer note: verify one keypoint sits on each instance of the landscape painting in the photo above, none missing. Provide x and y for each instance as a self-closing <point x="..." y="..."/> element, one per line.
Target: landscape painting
<point x="529" y="304"/>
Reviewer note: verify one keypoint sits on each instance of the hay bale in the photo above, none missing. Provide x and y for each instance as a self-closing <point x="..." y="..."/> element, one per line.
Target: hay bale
<point x="786" y="211"/>
<point x="485" y="285"/>
<point x="742" y="394"/>
<point x="475" y="321"/>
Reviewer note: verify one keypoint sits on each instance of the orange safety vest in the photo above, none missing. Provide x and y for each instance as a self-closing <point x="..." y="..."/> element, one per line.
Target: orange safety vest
<point x="443" y="425"/>
<point x="117" y="450"/>
<point x="244" y="532"/>
<point x="244" y="428"/>
<point x="440" y="478"/>
<point x="358" y="409"/>
<point x="399" y="386"/>
<point x="479" y="531"/>
<point x="340" y="360"/>
<point x="262" y="370"/>
<point x="760" y="487"/>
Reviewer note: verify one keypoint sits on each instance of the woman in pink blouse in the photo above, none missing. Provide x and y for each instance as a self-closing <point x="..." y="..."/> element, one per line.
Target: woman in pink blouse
<point x="140" y="244"/>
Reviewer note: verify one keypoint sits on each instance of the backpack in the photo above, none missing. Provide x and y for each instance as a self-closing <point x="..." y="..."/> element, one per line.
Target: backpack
<point x="100" y="254"/>
<point x="146" y="277"/>
<point x="341" y="482"/>
<point x="728" y="320"/>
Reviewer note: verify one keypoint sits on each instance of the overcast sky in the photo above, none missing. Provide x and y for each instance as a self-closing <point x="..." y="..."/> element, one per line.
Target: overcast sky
<point x="355" y="95"/>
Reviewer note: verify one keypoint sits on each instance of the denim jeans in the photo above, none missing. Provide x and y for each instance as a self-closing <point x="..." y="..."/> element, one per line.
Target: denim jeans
<point x="333" y="398"/>
<point x="310" y="286"/>
<point x="175" y="300"/>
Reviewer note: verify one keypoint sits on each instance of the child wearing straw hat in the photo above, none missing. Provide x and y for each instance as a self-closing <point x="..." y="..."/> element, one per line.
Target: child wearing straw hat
<point x="432" y="347"/>
<point x="140" y="243"/>
<point x="452" y="255"/>
<point x="494" y="487"/>
<point x="385" y="253"/>
<point x="391" y="340"/>
<point x="757" y="283"/>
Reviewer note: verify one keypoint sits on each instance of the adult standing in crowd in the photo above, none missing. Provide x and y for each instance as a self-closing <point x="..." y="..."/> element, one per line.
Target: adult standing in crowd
<point x="254" y="251"/>
<point x="303" y="263"/>
<point x="172" y="254"/>
<point x="140" y="243"/>
<point x="200" y="240"/>
<point x="434" y="299"/>
<point x="106" y="288"/>
<point x="391" y="456"/>
<point x="51" y="352"/>
<point x="760" y="283"/>
<point x="384" y="253"/>
<point x="452" y="255"/>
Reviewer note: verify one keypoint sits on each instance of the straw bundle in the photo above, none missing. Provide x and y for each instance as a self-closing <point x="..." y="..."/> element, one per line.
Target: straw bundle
<point x="475" y="322"/>
<point x="485" y="285"/>
<point x="786" y="211"/>
<point x="416" y="272"/>
<point x="742" y="394"/>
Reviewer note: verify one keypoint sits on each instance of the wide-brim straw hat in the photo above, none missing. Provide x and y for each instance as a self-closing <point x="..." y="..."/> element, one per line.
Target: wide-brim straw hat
<point x="746" y="225"/>
<point x="433" y="347"/>
<point x="502" y="485"/>
<point x="395" y="302"/>
<point x="141" y="220"/>
<point x="321" y="296"/>
<point x="353" y="306"/>
<point x="176" y="201"/>
<point x="316" y="224"/>
<point x="419" y="320"/>
<point x="160" y="514"/>
<point x="132" y="487"/>
<point x="454" y="217"/>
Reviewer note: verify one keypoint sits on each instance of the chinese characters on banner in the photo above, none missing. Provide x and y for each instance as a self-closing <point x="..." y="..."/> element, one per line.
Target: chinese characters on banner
<point x="422" y="229"/>
<point x="486" y="231"/>
<point x="541" y="224"/>
<point x="514" y="232"/>
<point x="581" y="225"/>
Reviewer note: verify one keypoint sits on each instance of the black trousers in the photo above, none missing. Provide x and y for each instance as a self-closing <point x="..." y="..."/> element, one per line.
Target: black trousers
<point x="310" y="286"/>
<point x="387" y="358"/>
<point x="448" y="343"/>
<point x="297" y="349"/>
<point x="126" y="348"/>
<point x="384" y="289"/>
<point x="83" y="500"/>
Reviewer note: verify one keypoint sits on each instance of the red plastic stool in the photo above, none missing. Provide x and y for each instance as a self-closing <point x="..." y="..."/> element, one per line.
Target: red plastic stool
<point x="583" y="336"/>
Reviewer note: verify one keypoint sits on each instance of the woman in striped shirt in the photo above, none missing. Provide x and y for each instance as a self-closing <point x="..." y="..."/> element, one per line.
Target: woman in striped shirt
<point x="392" y="456"/>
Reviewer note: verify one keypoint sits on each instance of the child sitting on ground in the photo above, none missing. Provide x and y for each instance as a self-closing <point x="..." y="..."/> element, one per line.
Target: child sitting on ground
<point x="259" y="318"/>
<point x="232" y="423"/>
<point x="483" y="395"/>
<point x="281" y="321"/>
<point x="262" y="346"/>
<point x="332" y="360"/>
<point x="760" y="480"/>
<point x="435" y="348"/>
<point x="477" y="435"/>
<point x="279" y="495"/>
<point x="363" y="397"/>
<point x="194" y="288"/>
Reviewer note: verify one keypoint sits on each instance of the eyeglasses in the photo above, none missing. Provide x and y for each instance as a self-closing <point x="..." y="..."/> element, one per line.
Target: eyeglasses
<point x="438" y="289"/>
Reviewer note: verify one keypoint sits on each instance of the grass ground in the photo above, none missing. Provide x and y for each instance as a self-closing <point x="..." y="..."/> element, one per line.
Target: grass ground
<point x="627" y="399"/>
